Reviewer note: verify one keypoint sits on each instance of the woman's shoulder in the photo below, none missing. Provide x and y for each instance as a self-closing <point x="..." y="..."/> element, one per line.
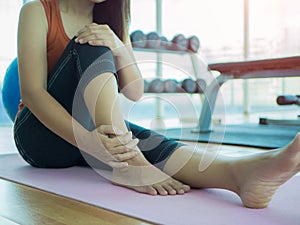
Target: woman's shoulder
<point x="33" y="5"/>
<point x="33" y="9"/>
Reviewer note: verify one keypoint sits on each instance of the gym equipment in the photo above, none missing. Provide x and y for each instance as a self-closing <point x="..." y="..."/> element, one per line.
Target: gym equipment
<point x="153" y="40"/>
<point x="189" y="85"/>
<point x="146" y="86"/>
<point x="171" y="86"/>
<point x="284" y="207"/>
<point x="156" y="86"/>
<point x="266" y="68"/>
<point x="284" y="100"/>
<point x="288" y="100"/>
<point x="179" y="42"/>
<point x="164" y="42"/>
<point x="201" y="86"/>
<point x="138" y="39"/>
<point x="193" y="43"/>
<point x="11" y="90"/>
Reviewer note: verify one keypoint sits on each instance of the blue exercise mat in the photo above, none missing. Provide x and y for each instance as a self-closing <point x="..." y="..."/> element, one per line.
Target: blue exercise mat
<point x="254" y="135"/>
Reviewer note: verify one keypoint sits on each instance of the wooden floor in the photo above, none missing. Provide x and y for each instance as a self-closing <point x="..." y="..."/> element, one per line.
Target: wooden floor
<point x="24" y="205"/>
<point x="20" y="204"/>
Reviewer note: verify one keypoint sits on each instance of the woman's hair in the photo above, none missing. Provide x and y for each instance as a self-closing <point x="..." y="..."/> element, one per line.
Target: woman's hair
<point x="116" y="14"/>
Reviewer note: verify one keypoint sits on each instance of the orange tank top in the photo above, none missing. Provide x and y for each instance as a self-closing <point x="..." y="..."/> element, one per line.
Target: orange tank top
<point x="57" y="38"/>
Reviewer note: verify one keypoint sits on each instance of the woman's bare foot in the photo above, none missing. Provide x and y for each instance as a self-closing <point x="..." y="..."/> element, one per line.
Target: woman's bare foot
<point x="258" y="177"/>
<point x="146" y="178"/>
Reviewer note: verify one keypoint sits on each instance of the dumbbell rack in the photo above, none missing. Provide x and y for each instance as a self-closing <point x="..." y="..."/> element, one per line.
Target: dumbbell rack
<point x="193" y="58"/>
<point x="197" y="68"/>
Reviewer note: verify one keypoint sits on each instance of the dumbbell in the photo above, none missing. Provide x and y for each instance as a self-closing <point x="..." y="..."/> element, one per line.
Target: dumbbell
<point x="146" y="86"/>
<point x="153" y="40"/>
<point x="179" y="42"/>
<point x="156" y="86"/>
<point x="138" y="39"/>
<point x="189" y="85"/>
<point x="164" y="42"/>
<point x="171" y="86"/>
<point x="288" y="100"/>
<point x="193" y="43"/>
<point x="201" y="86"/>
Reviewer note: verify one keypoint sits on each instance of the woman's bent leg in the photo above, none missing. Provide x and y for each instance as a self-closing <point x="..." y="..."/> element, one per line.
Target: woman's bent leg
<point x="38" y="145"/>
<point x="101" y="97"/>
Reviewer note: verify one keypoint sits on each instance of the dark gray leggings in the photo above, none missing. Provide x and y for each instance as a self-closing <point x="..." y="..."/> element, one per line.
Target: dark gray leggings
<point x="66" y="82"/>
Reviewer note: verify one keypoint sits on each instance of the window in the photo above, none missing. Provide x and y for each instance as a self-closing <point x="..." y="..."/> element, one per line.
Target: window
<point x="9" y="12"/>
<point x="274" y="31"/>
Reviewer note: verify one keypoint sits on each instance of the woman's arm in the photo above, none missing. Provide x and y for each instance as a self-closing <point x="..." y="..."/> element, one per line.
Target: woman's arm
<point x="32" y="58"/>
<point x="131" y="83"/>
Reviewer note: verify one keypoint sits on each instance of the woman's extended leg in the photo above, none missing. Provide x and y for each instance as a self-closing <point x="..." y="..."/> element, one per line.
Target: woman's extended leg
<point x="255" y="178"/>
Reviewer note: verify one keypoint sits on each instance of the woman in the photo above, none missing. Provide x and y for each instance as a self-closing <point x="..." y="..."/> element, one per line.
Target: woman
<point x="73" y="56"/>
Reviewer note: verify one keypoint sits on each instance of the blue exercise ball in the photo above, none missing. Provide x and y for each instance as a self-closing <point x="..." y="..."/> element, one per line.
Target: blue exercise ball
<point x="11" y="90"/>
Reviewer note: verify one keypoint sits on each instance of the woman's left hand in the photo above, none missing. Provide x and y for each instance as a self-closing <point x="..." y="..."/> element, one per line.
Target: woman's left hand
<point x="100" y="35"/>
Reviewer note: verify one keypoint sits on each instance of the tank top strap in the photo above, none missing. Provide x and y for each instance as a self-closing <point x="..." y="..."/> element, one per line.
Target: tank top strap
<point x="57" y="38"/>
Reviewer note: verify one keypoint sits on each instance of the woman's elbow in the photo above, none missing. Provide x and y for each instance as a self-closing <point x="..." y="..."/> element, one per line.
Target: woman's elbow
<point x="133" y="95"/>
<point x="135" y="91"/>
<point x="135" y="98"/>
<point x="29" y="97"/>
<point x="26" y="99"/>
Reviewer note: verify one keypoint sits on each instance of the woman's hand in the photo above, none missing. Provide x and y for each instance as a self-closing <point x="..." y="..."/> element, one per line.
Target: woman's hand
<point x="100" y="35"/>
<point x="120" y="146"/>
<point x="108" y="145"/>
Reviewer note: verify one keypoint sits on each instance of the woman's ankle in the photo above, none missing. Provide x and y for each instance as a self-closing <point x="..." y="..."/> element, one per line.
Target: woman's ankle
<point x="138" y="160"/>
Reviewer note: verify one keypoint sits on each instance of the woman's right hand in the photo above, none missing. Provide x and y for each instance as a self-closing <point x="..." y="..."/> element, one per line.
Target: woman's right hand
<point x="108" y="144"/>
<point x="119" y="146"/>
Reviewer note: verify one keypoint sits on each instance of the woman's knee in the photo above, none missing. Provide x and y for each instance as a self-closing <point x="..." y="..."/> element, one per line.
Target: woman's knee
<point x="87" y="55"/>
<point x="96" y="64"/>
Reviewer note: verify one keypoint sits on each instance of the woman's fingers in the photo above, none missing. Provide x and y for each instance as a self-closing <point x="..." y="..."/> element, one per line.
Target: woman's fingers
<point x="100" y="35"/>
<point x="118" y="146"/>
<point x="117" y="165"/>
<point x="93" y="32"/>
<point x="96" y="40"/>
<point x="131" y="146"/>
<point x="123" y="139"/>
<point x="121" y="148"/>
<point x="109" y="130"/>
<point x="89" y="28"/>
<point x="125" y="156"/>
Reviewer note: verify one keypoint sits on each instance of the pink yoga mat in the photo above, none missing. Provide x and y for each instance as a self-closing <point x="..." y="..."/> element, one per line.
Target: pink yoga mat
<point x="199" y="207"/>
